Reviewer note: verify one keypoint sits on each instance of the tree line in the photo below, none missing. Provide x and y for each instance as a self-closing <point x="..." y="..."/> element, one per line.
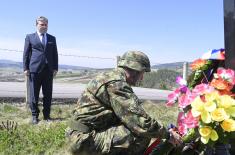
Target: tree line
<point x="160" y="79"/>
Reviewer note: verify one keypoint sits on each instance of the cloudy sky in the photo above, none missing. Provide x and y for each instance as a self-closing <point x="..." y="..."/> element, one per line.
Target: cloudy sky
<point x="97" y="31"/>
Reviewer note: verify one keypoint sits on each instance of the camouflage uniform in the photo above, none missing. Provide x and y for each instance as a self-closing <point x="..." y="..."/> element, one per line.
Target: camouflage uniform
<point x="109" y="118"/>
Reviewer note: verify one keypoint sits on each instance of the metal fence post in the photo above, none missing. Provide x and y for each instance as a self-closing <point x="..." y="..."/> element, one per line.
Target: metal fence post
<point x="118" y="59"/>
<point x="185" y="71"/>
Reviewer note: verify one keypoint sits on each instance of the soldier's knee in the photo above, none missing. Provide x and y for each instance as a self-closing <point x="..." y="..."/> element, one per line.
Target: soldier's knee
<point x="79" y="143"/>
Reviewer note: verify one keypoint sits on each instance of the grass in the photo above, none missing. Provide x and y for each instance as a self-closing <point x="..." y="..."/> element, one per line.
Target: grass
<point x="28" y="139"/>
<point x="165" y="115"/>
<point x="48" y="138"/>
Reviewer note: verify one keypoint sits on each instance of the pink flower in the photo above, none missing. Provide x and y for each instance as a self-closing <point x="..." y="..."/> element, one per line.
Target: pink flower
<point x="181" y="81"/>
<point x="186" y="122"/>
<point x="182" y="129"/>
<point x="186" y="99"/>
<point x="182" y="95"/>
<point x="184" y="89"/>
<point x="180" y="122"/>
<point x="190" y="121"/>
<point x="202" y="89"/>
<point x="173" y="97"/>
<point x="226" y="74"/>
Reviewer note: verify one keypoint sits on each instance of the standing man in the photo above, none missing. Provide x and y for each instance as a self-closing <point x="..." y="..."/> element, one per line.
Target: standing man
<point x="109" y="118"/>
<point x="40" y="62"/>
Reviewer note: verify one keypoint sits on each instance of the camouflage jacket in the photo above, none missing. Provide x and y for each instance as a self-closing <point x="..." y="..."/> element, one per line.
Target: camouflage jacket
<point x="109" y="101"/>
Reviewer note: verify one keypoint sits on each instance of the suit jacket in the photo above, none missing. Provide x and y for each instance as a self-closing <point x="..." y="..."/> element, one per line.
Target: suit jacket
<point x="35" y="55"/>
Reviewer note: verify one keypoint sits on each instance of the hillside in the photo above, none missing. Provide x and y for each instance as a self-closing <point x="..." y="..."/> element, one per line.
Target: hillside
<point x="170" y="66"/>
<point x="18" y="65"/>
<point x="11" y="71"/>
<point x="162" y="76"/>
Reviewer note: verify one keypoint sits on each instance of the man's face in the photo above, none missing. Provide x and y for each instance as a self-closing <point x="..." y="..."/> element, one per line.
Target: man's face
<point x="42" y="26"/>
<point x="134" y="77"/>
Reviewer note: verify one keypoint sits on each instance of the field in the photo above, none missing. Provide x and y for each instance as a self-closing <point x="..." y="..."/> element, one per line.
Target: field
<point x="11" y="74"/>
<point x="64" y="76"/>
<point x="48" y="137"/>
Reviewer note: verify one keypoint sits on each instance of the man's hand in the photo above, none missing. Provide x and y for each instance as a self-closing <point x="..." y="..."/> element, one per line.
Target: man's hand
<point x="54" y="73"/>
<point x="175" y="139"/>
<point x="26" y="72"/>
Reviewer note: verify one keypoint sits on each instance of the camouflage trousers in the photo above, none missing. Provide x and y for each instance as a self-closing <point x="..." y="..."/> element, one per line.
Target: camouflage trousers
<point x="113" y="141"/>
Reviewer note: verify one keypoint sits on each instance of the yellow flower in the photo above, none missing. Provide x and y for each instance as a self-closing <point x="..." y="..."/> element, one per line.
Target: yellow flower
<point x="210" y="106"/>
<point x="199" y="108"/>
<point x="228" y="125"/>
<point x="208" y="133"/>
<point x="230" y="111"/>
<point x="213" y="96"/>
<point x="219" y="115"/>
<point x="206" y="117"/>
<point x="226" y="101"/>
<point x="205" y="131"/>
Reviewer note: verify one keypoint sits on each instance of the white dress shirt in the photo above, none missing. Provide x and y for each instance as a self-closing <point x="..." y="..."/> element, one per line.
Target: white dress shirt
<point x="40" y="37"/>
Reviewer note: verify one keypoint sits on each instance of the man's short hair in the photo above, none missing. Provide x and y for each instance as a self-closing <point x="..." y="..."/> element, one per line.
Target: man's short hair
<point x="41" y="18"/>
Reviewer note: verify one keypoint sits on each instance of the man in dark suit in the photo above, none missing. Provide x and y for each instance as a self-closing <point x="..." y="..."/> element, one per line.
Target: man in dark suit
<point x="40" y="62"/>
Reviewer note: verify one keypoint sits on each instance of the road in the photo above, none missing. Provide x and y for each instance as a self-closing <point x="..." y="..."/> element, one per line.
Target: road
<point x="74" y="90"/>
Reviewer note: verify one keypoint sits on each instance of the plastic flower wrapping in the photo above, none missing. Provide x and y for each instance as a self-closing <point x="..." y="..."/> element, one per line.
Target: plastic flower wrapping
<point x="207" y="109"/>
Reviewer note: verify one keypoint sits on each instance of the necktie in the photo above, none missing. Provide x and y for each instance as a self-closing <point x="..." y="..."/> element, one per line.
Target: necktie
<point x="44" y="44"/>
<point x="43" y="40"/>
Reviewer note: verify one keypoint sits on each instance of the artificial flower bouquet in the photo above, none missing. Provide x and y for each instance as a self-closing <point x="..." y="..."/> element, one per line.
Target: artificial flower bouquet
<point x="207" y="109"/>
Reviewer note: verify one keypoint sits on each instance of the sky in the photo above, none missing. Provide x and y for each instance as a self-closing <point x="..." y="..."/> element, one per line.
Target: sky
<point x="97" y="31"/>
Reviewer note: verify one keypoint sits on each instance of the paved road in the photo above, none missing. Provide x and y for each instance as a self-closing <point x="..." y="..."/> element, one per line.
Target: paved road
<point x="67" y="90"/>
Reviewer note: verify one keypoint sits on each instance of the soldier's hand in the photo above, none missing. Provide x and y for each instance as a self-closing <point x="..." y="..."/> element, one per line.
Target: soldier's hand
<point x="26" y="72"/>
<point x="54" y="73"/>
<point x="175" y="139"/>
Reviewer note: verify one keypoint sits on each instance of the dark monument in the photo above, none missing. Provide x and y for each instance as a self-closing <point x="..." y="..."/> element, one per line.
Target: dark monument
<point x="229" y="40"/>
<point x="229" y="33"/>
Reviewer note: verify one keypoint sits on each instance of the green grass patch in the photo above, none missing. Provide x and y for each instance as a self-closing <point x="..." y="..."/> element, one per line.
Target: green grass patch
<point x="9" y="108"/>
<point x="68" y="75"/>
<point x="49" y="138"/>
<point x="159" y="111"/>
<point x="12" y="112"/>
<point x="28" y="139"/>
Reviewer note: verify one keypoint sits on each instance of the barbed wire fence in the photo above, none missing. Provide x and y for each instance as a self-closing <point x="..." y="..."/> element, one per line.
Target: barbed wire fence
<point x="185" y="64"/>
<point x="74" y="56"/>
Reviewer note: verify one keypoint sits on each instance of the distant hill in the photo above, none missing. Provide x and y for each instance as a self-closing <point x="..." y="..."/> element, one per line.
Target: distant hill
<point x="10" y="64"/>
<point x="171" y="66"/>
<point x="66" y="67"/>
<point x="19" y="65"/>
